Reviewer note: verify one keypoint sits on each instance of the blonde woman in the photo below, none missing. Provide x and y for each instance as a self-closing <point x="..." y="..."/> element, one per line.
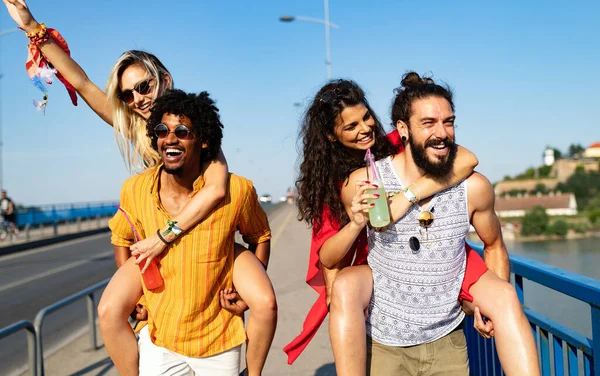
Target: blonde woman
<point x="136" y="80"/>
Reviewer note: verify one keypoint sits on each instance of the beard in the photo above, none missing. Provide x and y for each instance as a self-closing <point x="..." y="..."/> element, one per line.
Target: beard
<point x="177" y="171"/>
<point x="442" y="167"/>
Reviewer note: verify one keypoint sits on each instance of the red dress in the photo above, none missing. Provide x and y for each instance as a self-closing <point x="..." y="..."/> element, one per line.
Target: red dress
<point x="475" y="268"/>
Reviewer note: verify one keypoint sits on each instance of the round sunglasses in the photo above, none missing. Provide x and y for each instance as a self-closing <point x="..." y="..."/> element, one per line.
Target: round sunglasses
<point x="142" y="88"/>
<point x="181" y="131"/>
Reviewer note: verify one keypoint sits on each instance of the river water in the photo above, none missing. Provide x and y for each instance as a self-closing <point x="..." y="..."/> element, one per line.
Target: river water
<point x="580" y="256"/>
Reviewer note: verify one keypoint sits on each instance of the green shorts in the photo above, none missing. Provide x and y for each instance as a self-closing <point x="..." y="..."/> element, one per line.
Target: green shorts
<point x="446" y="356"/>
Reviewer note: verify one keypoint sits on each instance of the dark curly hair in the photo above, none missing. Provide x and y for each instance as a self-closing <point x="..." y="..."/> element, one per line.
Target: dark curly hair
<point x="200" y="109"/>
<point x="412" y="88"/>
<point x="324" y="165"/>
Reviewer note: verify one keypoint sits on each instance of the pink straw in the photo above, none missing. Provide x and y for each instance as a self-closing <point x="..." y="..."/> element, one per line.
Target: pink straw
<point x="135" y="233"/>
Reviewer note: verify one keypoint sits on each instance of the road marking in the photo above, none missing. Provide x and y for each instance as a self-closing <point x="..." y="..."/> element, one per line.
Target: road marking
<point x="54" y="271"/>
<point x="282" y="227"/>
<point x="51" y="247"/>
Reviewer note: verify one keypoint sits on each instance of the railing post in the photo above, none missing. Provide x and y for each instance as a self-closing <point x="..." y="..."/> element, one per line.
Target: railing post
<point x="595" y="366"/>
<point x="37" y="324"/>
<point x="92" y="319"/>
<point x="31" y="342"/>
<point x="519" y="288"/>
<point x="27" y="228"/>
<point x="32" y="351"/>
<point x="78" y="224"/>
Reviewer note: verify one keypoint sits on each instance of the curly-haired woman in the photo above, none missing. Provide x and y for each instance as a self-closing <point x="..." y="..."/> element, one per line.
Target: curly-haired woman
<point x="136" y="80"/>
<point x="338" y="127"/>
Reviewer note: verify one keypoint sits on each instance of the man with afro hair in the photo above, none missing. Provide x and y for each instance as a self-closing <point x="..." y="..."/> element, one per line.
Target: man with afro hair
<point x="188" y="330"/>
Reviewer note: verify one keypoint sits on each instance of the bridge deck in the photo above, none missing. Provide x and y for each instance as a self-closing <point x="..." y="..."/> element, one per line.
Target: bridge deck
<point x="287" y="269"/>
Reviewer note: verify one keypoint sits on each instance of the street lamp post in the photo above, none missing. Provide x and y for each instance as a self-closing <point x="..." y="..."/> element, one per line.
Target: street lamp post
<point x="2" y="33"/>
<point x="327" y="36"/>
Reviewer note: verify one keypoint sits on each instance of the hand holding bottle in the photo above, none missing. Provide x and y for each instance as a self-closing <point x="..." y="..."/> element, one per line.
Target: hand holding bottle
<point x="379" y="215"/>
<point x="362" y="202"/>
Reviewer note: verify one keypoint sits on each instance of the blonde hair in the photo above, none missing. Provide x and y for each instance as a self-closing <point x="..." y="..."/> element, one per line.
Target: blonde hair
<point x="130" y="127"/>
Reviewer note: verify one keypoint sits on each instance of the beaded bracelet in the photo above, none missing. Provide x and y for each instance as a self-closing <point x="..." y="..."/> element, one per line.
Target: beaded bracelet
<point x="39" y="31"/>
<point x="39" y="35"/>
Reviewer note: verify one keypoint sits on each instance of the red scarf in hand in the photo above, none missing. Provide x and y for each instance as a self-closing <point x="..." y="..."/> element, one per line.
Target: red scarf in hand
<point x="36" y="60"/>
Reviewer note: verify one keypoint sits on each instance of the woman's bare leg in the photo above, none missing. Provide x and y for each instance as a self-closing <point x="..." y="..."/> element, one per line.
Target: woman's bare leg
<point x="350" y="298"/>
<point x="497" y="300"/>
<point x="254" y="287"/>
<point x="117" y="302"/>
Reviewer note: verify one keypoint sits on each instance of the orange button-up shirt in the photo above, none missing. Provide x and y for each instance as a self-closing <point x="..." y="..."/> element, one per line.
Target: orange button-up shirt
<point x="185" y="315"/>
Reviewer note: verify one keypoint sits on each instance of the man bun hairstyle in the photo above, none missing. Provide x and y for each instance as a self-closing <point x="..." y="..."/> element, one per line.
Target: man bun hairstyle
<point x="200" y="109"/>
<point x="414" y="87"/>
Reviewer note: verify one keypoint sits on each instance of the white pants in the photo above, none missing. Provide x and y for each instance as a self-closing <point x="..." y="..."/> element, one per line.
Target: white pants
<point x="156" y="360"/>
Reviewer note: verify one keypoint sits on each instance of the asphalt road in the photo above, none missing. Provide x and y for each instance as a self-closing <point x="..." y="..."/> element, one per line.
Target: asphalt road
<point x="32" y="280"/>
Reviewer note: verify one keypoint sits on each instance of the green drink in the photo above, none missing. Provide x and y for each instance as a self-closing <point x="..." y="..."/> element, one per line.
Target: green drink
<point x="379" y="215"/>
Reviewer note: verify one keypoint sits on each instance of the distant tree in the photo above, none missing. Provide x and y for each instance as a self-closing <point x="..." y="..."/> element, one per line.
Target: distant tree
<point x="516" y="192"/>
<point x="528" y="174"/>
<point x="535" y="221"/>
<point x="541" y="188"/>
<point x="585" y="185"/>
<point x="506" y="178"/>
<point x="593" y="203"/>
<point x="575" y="150"/>
<point x="560" y="227"/>
<point x="544" y="171"/>
<point x="594" y="216"/>
<point x="557" y="154"/>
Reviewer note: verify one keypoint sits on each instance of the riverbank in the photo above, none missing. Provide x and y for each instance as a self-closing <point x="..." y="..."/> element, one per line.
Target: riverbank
<point x="513" y="236"/>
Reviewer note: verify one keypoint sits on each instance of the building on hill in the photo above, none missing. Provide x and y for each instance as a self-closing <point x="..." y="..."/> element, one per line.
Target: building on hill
<point x="549" y="157"/>
<point x="507" y="186"/>
<point x="564" y="168"/>
<point x="555" y="204"/>
<point x="593" y="151"/>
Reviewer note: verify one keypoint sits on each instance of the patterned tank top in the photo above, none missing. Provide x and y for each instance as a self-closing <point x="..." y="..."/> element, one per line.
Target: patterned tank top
<point x="415" y="297"/>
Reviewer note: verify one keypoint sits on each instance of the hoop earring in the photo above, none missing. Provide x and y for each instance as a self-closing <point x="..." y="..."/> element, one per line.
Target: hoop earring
<point x="403" y="138"/>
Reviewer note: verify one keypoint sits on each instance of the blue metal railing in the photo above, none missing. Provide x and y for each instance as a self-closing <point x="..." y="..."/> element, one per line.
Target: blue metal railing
<point x="559" y="348"/>
<point x="58" y="213"/>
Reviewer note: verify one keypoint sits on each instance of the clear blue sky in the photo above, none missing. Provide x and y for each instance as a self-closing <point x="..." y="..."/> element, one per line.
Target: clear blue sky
<point x="525" y="75"/>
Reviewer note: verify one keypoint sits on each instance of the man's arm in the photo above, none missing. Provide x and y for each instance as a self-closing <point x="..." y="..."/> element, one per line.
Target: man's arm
<point x="254" y="226"/>
<point x="262" y="252"/>
<point x="486" y="223"/>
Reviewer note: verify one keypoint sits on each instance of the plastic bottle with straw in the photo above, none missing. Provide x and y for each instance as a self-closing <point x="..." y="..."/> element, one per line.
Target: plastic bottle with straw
<point x="152" y="277"/>
<point x="379" y="215"/>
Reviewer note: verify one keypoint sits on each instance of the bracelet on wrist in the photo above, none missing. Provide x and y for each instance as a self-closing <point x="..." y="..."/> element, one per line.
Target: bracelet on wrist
<point x="410" y="196"/>
<point x="161" y="238"/>
<point x="417" y="189"/>
<point x="172" y="228"/>
<point x="39" y="35"/>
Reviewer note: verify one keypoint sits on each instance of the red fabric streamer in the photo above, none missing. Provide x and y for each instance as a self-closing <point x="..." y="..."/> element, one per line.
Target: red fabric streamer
<point x="36" y="60"/>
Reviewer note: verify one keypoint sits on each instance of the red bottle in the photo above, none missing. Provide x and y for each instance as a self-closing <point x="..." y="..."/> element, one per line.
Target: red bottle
<point x="152" y="277"/>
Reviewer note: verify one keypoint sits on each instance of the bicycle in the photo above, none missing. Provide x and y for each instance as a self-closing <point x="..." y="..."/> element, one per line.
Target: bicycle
<point x="6" y="231"/>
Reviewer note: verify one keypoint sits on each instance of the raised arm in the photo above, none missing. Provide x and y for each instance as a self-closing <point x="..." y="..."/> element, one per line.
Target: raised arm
<point x="216" y="176"/>
<point x="426" y="186"/>
<point x="91" y="93"/>
<point x="487" y="225"/>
